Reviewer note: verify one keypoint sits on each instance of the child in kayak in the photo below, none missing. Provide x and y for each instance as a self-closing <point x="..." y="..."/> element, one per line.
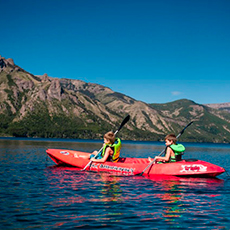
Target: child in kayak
<point x="173" y="151"/>
<point x="110" y="151"/>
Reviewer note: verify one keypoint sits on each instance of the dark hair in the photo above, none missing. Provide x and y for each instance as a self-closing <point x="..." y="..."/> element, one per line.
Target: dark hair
<point x="171" y="137"/>
<point x="110" y="136"/>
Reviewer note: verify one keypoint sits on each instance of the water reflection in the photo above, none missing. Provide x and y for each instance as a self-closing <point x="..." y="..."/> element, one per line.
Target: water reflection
<point x="37" y="194"/>
<point x="193" y="182"/>
<point x="111" y="190"/>
<point x="107" y="186"/>
<point x="180" y="200"/>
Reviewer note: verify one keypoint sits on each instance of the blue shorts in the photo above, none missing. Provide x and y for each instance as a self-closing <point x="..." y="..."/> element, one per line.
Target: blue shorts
<point x="97" y="157"/>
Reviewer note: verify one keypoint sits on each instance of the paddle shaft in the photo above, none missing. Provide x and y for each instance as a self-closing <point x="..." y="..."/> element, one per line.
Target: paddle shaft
<point x="181" y="132"/>
<point x="122" y="124"/>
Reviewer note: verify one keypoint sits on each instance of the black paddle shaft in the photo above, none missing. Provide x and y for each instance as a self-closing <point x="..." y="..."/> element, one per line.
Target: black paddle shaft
<point x="182" y="131"/>
<point x="122" y="124"/>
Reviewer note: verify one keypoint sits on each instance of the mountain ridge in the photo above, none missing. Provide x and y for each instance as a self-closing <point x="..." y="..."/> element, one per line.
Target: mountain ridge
<point x="42" y="106"/>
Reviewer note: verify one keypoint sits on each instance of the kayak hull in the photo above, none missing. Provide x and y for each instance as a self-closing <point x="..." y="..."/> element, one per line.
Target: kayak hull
<point x="134" y="166"/>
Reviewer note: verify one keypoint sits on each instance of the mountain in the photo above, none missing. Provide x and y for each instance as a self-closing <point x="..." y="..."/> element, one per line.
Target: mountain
<point x="220" y="106"/>
<point x="42" y="106"/>
<point x="210" y="125"/>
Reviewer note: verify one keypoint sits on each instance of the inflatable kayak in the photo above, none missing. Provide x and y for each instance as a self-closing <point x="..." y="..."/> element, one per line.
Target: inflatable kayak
<point x="133" y="166"/>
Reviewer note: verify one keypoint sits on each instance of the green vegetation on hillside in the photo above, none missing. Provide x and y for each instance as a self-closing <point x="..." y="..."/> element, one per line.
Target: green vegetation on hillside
<point x="41" y="124"/>
<point x="41" y="106"/>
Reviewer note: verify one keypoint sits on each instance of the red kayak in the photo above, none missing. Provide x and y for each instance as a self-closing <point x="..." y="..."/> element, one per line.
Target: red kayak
<point x="133" y="166"/>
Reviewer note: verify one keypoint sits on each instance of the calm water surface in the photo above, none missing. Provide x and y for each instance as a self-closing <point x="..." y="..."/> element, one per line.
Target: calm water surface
<point x="36" y="194"/>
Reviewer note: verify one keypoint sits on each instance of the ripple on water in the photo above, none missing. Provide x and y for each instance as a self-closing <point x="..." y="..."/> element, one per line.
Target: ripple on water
<point x="36" y="194"/>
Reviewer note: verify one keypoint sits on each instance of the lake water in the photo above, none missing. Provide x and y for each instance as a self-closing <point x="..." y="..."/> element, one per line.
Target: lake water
<point x="36" y="194"/>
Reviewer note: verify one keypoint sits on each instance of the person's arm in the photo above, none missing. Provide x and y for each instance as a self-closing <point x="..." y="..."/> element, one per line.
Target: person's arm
<point x="169" y="153"/>
<point x="105" y="157"/>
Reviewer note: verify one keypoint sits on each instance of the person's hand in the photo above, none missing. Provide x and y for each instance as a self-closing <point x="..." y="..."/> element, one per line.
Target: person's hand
<point x="156" y="158"/>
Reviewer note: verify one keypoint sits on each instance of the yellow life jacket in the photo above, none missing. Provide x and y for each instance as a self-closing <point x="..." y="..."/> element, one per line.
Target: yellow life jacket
<point x="116" y="147"/>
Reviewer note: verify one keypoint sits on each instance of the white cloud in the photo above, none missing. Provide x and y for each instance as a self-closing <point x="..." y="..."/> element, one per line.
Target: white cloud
<point x="176" y="93"/>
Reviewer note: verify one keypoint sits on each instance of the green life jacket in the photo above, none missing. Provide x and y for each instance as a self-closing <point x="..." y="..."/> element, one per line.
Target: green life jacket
<point x="116" y="147"/>
<point x="178" y="150"/>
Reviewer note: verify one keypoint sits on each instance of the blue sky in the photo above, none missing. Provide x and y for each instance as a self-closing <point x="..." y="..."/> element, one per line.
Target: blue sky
<point x="154" y="51"/>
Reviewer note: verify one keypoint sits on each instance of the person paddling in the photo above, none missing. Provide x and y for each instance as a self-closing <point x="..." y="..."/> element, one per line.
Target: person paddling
<point x="110" y="151"/>
<point x="173" y="151"/>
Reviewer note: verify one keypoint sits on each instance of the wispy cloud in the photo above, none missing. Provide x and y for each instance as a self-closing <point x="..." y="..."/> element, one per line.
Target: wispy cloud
<point x="176" y="93"/>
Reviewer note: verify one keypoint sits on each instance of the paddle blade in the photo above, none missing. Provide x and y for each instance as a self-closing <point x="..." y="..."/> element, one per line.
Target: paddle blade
<point x="124" y="122"/>
<point x="182" y="131"/>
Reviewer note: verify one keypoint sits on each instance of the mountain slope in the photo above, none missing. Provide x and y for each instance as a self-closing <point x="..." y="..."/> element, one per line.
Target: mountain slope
<point x="210" y="125"/>
<point x="41" y="106"/>
<point x="220" y="106"/>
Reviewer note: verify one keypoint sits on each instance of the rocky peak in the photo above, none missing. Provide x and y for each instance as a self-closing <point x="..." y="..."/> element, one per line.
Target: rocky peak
<point x="55" y="90"/>
<point x="44" y="77"/>
<point x="10" y="61"/>
<point x="2" y="63"/>
<point x="8" y="65"/>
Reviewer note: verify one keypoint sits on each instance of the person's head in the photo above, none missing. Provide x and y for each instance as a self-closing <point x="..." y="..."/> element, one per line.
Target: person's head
<point x="109" y="137"/>
<point x="170" y="139"/>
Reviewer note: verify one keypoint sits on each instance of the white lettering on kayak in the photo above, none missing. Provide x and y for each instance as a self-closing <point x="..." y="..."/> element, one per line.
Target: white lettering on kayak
<point x="94" y="166"/>
<point x="194" y="168"/>
<point x="114" y="168"/>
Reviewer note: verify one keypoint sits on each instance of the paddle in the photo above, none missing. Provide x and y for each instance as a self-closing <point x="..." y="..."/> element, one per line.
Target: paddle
<point x="122" y="124"/>
<point x="182" y="131"/>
